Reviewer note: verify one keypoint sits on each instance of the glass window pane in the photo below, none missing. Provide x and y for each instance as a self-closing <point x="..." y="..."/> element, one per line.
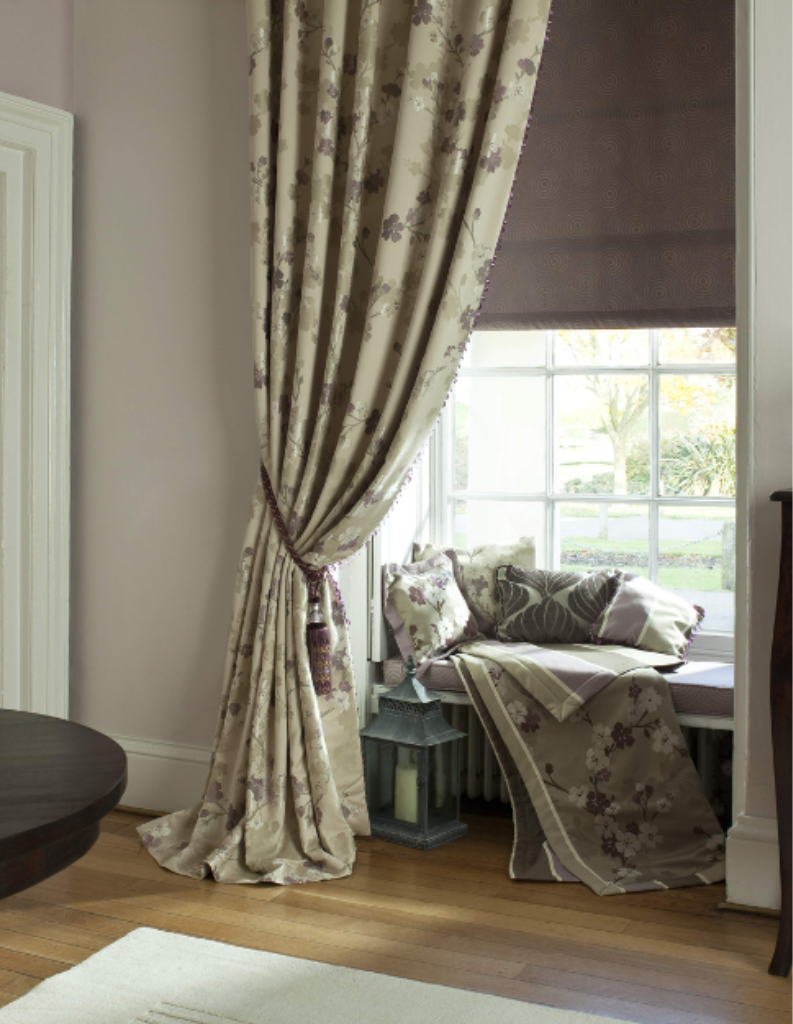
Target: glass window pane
<point x="499" y="434"/>
<point x="601" y="348"/>
<point x="601" y="536"/>
<point x="696" y="559"/>
<point x="602" y="434"/>
<point x="697" y="344"/>
<point x="499" y="522"/>
<point x="698" y="434"/>
<point x="506" y="348"/>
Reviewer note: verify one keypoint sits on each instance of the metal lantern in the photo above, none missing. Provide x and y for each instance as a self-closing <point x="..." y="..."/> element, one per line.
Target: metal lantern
<point x="412" y="766"/>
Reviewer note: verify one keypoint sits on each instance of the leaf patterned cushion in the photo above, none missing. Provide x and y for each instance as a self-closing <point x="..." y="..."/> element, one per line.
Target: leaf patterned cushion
<point x="477" y="575"/>
<point x="426" y="609"/>
<point x="540" y="606"/>
<point x="646" y="616"/>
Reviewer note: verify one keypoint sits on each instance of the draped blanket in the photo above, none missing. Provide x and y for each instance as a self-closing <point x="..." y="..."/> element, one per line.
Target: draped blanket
<point x="602" y="786"/>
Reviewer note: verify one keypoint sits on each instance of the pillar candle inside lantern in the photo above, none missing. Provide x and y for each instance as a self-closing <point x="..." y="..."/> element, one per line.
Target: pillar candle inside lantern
<point x="406" y="793"/>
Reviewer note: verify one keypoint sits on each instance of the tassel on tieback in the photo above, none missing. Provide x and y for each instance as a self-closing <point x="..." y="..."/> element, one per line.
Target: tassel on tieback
<point x="318" y="641"/>
<point x="317" y="633"/>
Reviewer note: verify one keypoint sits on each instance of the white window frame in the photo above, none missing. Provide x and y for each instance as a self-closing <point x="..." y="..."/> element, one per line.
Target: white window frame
<point x="710" y="644"/>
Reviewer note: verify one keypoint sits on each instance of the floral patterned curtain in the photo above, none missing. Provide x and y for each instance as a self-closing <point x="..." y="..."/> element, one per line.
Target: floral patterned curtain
<point x="385" y="135"/>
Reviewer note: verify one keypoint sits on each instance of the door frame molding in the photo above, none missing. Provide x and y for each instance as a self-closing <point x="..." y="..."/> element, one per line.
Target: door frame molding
<point x="36" y="143"/>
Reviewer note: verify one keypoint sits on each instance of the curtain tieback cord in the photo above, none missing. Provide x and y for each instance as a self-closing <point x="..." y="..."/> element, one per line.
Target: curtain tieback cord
<point x="317" y="632"/>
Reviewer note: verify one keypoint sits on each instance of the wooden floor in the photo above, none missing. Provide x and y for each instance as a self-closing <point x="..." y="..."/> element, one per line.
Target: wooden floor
<point x="449" y="916"/>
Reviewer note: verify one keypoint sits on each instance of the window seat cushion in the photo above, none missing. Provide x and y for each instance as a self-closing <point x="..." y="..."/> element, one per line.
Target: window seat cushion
<point x="698" y="688"/>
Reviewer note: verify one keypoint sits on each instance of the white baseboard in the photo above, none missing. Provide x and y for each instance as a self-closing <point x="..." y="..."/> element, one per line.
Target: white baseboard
<point x="753" y="863"/>
<point x="163" y="776"/>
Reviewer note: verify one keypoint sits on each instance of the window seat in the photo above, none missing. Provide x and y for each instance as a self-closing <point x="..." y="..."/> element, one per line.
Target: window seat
<point x="702" y="691"/>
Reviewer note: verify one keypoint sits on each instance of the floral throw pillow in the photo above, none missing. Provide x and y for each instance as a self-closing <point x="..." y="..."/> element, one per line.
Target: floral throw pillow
<point x="540" y="606"/>
<point x="426" y="609"/>
<point x="646" y="616"/>
<point x="477" y="575"/>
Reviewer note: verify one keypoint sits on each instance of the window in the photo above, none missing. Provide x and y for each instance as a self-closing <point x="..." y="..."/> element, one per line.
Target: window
<point x="610" y="447"/>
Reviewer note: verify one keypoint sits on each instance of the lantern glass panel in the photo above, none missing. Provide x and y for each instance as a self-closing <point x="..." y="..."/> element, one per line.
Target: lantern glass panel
<point x="393" y="771"/>
<point x="444" y="782"/>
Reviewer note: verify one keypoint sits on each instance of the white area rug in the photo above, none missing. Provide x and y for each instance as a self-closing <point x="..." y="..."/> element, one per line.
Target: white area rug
<point x="154" y="977"/>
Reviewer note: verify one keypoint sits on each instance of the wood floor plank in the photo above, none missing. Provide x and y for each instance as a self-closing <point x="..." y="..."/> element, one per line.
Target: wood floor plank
<point x="449" y="916"/>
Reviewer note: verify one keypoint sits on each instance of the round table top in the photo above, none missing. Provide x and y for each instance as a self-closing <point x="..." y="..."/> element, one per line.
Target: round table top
<point x="56" y="778"/>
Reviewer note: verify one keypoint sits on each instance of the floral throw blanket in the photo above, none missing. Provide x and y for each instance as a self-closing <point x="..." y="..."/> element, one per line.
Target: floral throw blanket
<point x="602" y="785"/>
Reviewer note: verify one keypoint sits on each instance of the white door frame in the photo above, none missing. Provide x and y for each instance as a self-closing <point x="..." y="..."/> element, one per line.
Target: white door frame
<point x="35" y="294"/>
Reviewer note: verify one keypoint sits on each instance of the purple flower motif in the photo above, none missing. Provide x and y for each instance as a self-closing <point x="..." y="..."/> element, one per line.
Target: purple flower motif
<point x="302" y="177"/>
<point x="500" y="92"/>
<point x="393" y="228"/>
<point x="491" y="161"/>
<point x="374" y="182"/>
<point x="531" y="723"/>
<point x="477" y="45"/>
<point x="325" y="116"/>
<point x="326" y="146"/>
<point x="234" y="707"/>
<point x="634" y="690"/>
<point x="214" y="791"/>
<point x="413" y="629"/>
<point x="603" y="775"/>
<point x="416" y="595"/>
<point x="422" y="12"/>
<point x="350" y="63"/>
<point x="278" y="278"/>
<point x="423" y="197"/>
<point x="392" y="89"/>
<point x="622" y="736"/>
<point x="447" y="146"/>
<point x="527" y="66"/>
<point x="150" y="841"/>
<point x="328" y="43"/>
<point x="333" y="92"/>
<point x="259" y="378"/>
<point x="596" y="803"/>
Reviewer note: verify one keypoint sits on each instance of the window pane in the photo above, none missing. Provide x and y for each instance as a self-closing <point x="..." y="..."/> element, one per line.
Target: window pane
<point x="499" y="522"/>
<point x="602" y="438"/>
<point x="698" y="435"/>
<point x="697" y="559"/>
<point x="499" y="434"/>
<point x="601" y="348"/>
<point x="506" y="348"/>
<point x="697" y="344"/>
<point x="600" y="536"/>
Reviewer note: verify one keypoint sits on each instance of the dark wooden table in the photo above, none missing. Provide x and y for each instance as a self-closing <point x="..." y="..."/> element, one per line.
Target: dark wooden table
<point x="781" y="673"/>
<point x="57" y="781"/>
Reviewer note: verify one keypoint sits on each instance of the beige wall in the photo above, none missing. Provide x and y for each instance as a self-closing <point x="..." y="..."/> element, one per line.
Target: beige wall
<point x="164" y="442"/>
<point x="36" y="50"/>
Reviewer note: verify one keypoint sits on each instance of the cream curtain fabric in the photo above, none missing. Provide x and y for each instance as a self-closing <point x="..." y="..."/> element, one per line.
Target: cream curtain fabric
<point x="384" y="140"/>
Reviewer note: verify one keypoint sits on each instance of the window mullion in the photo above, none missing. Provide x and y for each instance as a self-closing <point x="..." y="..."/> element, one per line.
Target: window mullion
<point x="655" y="455"/>
<point x="550" y="448"/>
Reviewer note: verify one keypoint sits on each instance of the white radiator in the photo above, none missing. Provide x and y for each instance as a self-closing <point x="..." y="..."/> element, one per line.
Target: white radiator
<point x="482" y="776"/>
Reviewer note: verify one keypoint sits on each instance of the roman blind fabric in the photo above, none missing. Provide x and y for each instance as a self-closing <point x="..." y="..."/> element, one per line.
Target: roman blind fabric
<point x="623" y="213"/>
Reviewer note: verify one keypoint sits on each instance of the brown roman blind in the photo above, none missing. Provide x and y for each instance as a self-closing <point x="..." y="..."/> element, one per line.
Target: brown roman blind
<point x="623" y="212"/>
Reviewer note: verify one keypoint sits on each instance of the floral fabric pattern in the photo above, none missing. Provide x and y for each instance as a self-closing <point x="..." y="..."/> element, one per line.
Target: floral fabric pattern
<point x="477" y="572"/>
<point x="385" y="135"/>
<point x="615" y="799"/>
<point x="541" y="606"/>
<point x="426" y="609"/>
